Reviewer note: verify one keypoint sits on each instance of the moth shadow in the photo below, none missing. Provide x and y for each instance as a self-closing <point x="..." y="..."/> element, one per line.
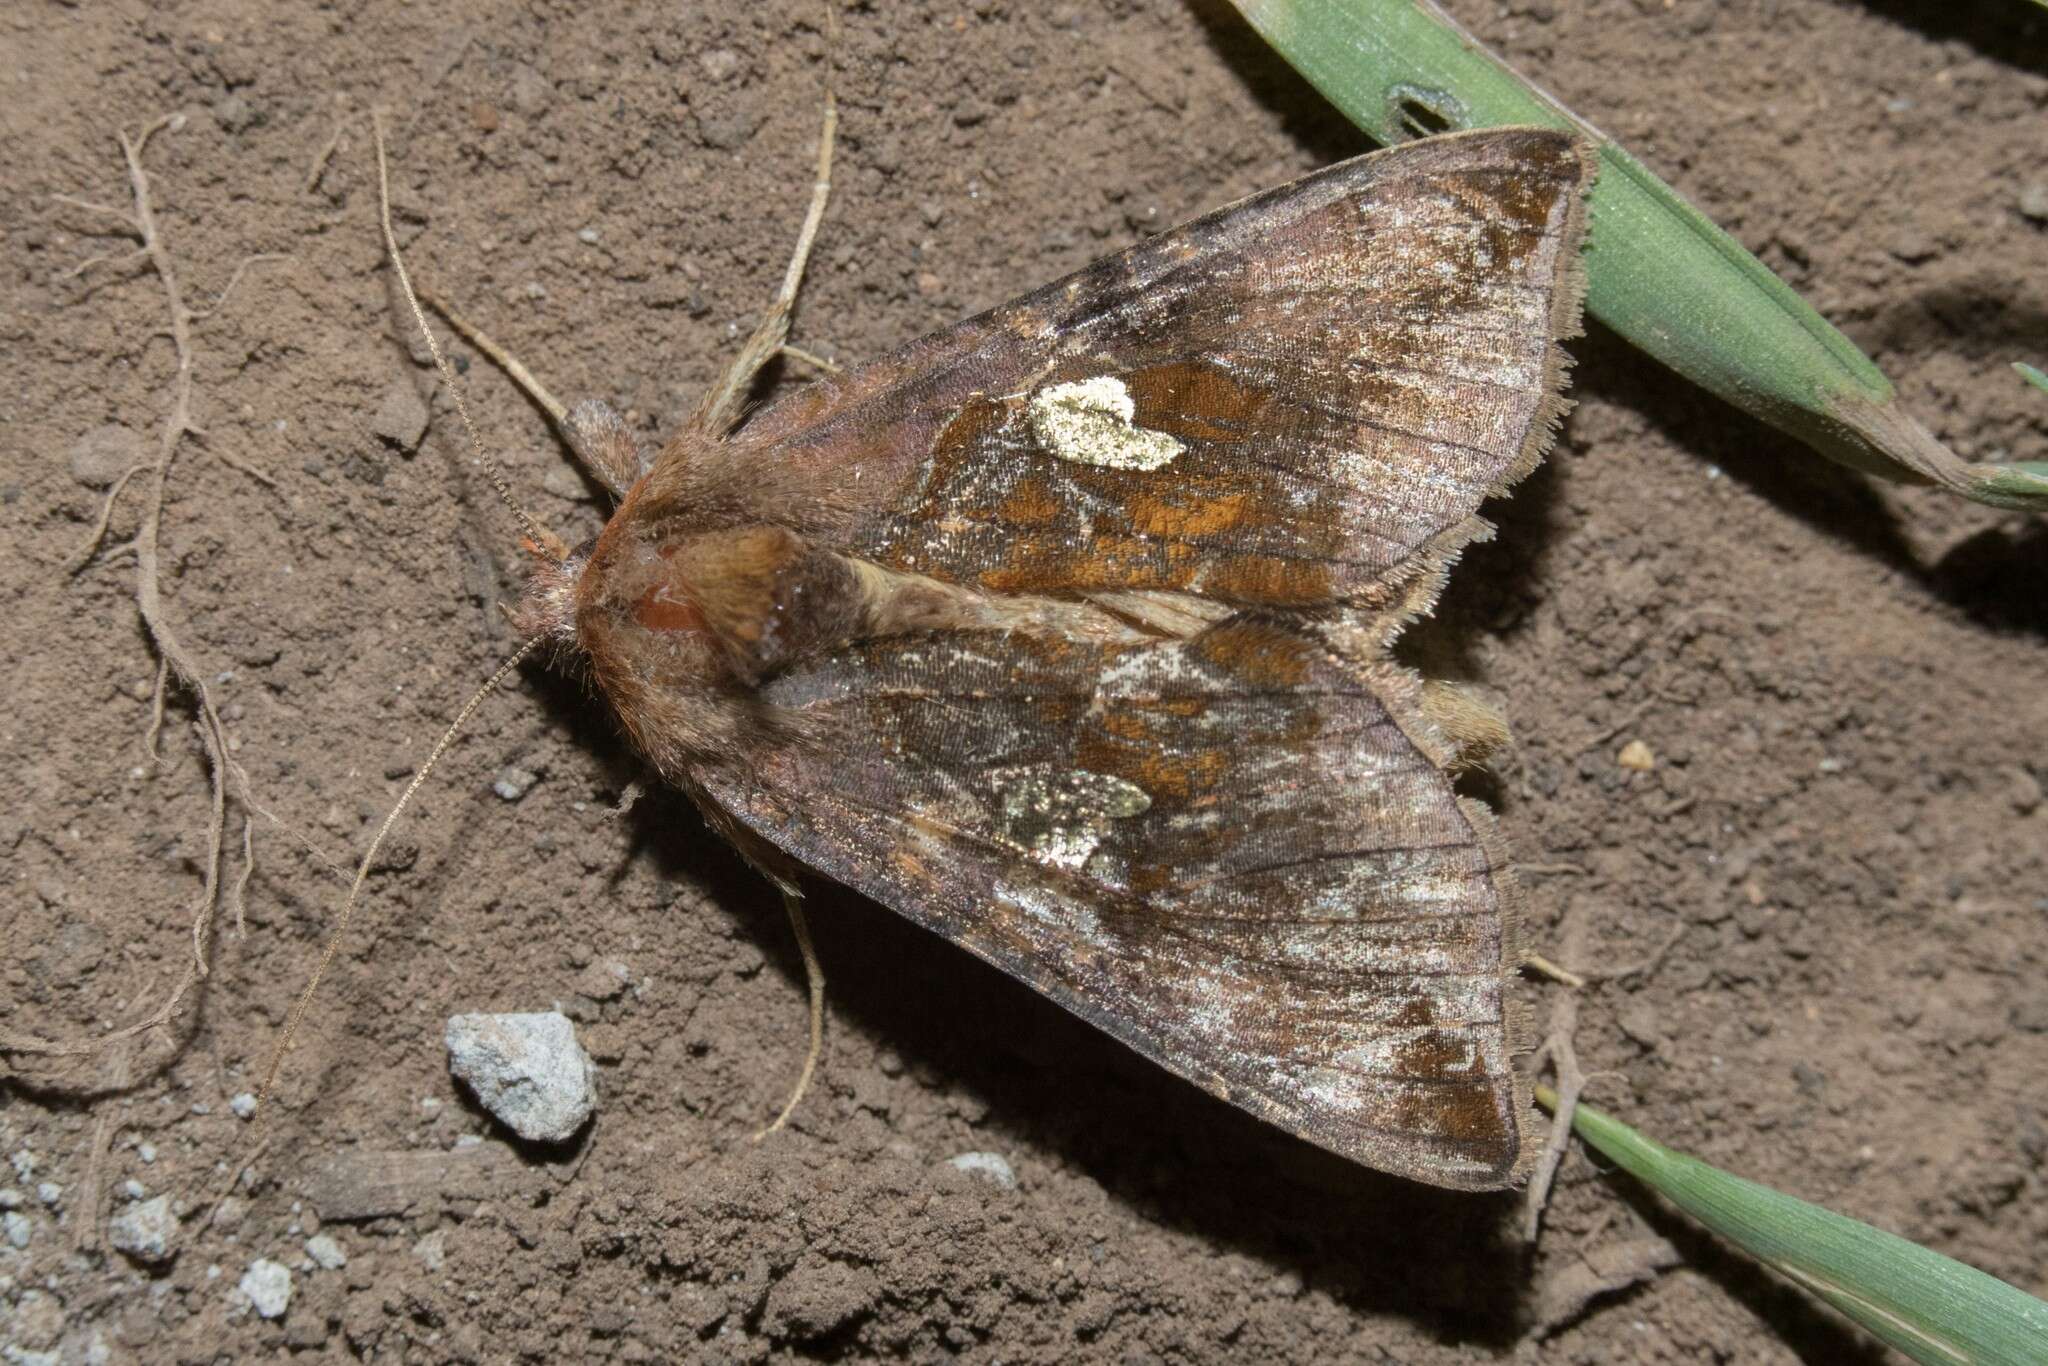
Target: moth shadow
<point x="1495" y="583"/>
<point x="1060" y="1094"/>
<point x="1063" y="1094"/>
<point x="2006" y="33"/>
<point x="1309" y="119"/>
<point x="1990" y="577"/>
<point x="1987" y="321"/>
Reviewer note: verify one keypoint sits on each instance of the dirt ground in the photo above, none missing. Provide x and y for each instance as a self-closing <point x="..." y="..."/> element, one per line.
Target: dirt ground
<point x="1841" y="683"/>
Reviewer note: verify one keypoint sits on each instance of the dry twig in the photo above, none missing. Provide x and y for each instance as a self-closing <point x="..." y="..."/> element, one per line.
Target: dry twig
<point x="1557" y="1051"/>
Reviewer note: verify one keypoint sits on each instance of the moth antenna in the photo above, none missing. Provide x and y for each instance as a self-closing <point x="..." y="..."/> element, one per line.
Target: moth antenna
<point x="348" y="907"/>
<point x="535" y="533"/>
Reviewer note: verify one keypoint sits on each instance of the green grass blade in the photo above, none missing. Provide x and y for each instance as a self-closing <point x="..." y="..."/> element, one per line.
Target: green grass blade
<point x="1932" y="1308"/>
<point x="1659" y="272"/>
<point x="2028" y="372"/>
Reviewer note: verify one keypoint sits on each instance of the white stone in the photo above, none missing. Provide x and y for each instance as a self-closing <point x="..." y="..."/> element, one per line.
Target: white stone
<point x="268" y="1285"/>
<point x="243" y="1104"/>
<point x="993" y="1168"/>
<point x="326" y="1252"/>
<point x="38" y="1321"/>
<point x="514" y="782"/>
<point x="527" y="1070"/>
<point x="145" y="1230"/>
<point x="432" y="1250"/>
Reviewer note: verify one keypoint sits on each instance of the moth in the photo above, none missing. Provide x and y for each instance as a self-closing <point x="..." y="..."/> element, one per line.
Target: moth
<point x="1065" y="631"/>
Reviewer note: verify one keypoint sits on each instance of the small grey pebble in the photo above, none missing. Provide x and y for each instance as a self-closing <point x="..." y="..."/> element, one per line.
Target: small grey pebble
<point x="514" y="782"/>
<point x="993" y="1168"/>
<point x="529" y="1071"/>
<point x="234" y="113"/>
<point x="432" y="1250"/>
<point x="531" y="91"/>
<point x="102" y="454"/>
<point x="16" y="1228"/>
<point x="268" y="1285"/>
<point x="10" y="1198"/>
<point x="50" y="1193"/>
<point x="326" y="1252"/>
<point x="243" y="1104"/>
<point x="132" y="1189"/>
<point x="401" y="419"/>
<point x="2023" y="790"/>
<point x="145" y="1230"/>
<point x="2034" y="200"/>
<point x="1913" y="246"/>
<point x="587" y="236"/>
<point x="603" y="981"/>
<point x="146" y="1151"/>
<point x="728" y="131"/>
<point x="38" y="1321"/>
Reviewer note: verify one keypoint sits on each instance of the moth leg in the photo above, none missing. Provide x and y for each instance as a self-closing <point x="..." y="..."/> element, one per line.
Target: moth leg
<point x="792" y="902"/>
<point x="596" y="435"/>
<point x="817" y="362"/>
<point x="599" y="437"/>
<point x="1468" y="719"/>
<point x="720" y="407"/>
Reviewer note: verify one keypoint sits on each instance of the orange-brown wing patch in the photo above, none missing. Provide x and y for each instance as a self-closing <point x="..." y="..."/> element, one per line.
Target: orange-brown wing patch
<point x="1293" y="400"/>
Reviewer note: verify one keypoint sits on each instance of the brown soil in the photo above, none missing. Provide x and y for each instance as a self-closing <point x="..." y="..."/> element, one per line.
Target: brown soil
<point x="1841" y="683"/>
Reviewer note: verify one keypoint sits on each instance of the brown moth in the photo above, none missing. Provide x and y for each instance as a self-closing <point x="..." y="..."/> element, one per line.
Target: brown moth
<point x="1064" y="632"/>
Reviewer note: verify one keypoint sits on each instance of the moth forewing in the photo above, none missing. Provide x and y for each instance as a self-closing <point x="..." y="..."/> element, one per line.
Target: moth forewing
<point x="1064" y="633"/>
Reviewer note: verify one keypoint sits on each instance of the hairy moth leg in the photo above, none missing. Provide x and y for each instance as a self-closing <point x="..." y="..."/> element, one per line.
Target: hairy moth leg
<point x="814" y="975"/>
<point x="720" y="407"/>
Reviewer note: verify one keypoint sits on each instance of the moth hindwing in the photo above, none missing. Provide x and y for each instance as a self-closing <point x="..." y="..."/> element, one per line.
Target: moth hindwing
<point x="1064" y="633"/>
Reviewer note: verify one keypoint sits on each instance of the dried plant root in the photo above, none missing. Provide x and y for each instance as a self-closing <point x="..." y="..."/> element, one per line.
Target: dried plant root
<point x="176" y="667"/>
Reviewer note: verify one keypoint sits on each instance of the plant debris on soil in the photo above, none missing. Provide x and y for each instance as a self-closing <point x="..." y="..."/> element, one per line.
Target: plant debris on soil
<point x="1778" y="728"/>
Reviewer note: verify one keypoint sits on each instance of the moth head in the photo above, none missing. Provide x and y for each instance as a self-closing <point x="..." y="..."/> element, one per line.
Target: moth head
<point x="547" y="608"/>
